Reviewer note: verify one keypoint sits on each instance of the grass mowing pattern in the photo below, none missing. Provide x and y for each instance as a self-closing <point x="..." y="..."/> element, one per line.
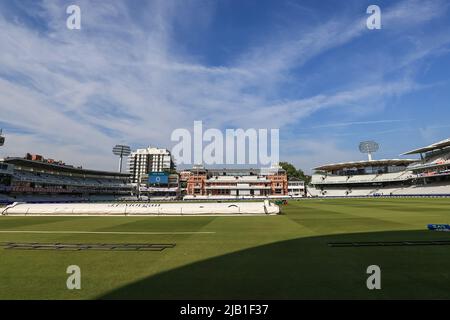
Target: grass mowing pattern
<point x="285" y="256"/>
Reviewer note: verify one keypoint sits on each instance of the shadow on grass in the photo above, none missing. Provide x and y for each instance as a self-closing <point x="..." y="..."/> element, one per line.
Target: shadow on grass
<point x="307" y="268"/>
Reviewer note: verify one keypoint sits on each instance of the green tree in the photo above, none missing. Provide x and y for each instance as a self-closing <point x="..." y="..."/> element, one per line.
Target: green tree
<point x="293" y="172"/>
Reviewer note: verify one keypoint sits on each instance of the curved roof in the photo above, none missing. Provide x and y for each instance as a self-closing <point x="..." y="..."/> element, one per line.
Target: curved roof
<point x="438" y="145"/>
<point x="366" y="163"/>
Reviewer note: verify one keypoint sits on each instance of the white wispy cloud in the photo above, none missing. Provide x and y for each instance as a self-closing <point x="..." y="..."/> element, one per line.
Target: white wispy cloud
<point x="354" y="123"/>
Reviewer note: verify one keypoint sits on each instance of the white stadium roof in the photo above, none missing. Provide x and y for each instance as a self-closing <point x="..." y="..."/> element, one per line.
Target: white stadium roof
<point x="366" y="163"/>
<point x="438" y="145"/>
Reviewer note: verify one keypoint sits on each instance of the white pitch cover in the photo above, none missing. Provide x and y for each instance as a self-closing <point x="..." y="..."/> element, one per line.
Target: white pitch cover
<point x="206" y="208"/>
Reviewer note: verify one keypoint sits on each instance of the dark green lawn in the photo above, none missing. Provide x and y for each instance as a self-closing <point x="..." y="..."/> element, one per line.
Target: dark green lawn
<point x="285" y="256"/>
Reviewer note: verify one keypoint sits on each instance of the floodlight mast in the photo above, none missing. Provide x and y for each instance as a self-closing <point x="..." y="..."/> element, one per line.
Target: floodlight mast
<point x="120" y="163"/>
<point x="369" y="147"/>
<point x="121" y="151"/>
<point x="2" y="138"/>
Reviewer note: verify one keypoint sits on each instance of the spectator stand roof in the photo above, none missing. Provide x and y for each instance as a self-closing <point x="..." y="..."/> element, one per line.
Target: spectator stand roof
<point x="435" y="146"/>
<point x="61" y="168"/>
<point x="365" y="163"/>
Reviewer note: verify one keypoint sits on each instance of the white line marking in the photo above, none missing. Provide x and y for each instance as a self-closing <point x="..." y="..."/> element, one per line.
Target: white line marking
<point x="104" y="232"/>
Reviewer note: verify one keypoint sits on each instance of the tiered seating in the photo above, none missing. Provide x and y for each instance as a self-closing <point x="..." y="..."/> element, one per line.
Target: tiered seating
<point x="317" y="178"/>
<point x="366" y="178"/>
<point x="403" y="175"/>
<point x="312" y="192"/>
<point x="424" y="190"/>
<point x="48" y="179"/>
<point x="440" y="157"/>
<point x="54" y="198"/>
<point x="323" y="179"/>
<point x="361" y="192"/>
<point x="434" y="189"/>
<point x="362" y="178"/>
<point x="334" y="192"/>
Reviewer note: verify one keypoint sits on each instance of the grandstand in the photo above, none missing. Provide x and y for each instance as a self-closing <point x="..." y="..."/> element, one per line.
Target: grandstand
<point x="434" y="166"/>
<point x="394" y="177"/>
<point x="361" y="178"/>
<point x="36" y="179"/>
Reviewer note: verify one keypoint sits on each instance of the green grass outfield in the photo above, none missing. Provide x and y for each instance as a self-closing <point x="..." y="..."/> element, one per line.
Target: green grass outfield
<point x="261" y="257"/>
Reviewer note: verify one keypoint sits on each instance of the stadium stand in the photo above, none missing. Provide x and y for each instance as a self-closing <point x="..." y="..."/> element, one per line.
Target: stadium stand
<point x="429" y="176"/>
<point x="35" y="179"/>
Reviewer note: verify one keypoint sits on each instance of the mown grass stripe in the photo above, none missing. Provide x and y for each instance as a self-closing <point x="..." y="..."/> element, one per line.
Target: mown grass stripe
<point x="104" y="232"/>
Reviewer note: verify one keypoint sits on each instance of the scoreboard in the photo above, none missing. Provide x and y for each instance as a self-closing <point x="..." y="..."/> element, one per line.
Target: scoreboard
<point x="158" y="178"/>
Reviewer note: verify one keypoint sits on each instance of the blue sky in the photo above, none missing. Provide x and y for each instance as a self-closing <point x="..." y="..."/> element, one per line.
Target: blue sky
<point x="137" y="70"/>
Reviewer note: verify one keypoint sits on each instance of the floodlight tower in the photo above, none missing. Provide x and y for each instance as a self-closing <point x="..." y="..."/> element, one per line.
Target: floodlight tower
<point x="121" y="151"/>
<point x="369" y="147"/>
<point x="2" y="138"/>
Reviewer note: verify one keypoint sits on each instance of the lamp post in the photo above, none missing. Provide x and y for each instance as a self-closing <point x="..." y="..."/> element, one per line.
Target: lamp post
<point x="369" y="147"/>
<point x="2" y="138"/>
<point x="121" y="151"/>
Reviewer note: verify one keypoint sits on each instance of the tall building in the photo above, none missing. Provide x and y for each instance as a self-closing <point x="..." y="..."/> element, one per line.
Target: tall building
<point x="144" y="161"/>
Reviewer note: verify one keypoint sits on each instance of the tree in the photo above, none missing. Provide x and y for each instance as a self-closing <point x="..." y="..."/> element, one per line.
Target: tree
<point x="293" y="172"/>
